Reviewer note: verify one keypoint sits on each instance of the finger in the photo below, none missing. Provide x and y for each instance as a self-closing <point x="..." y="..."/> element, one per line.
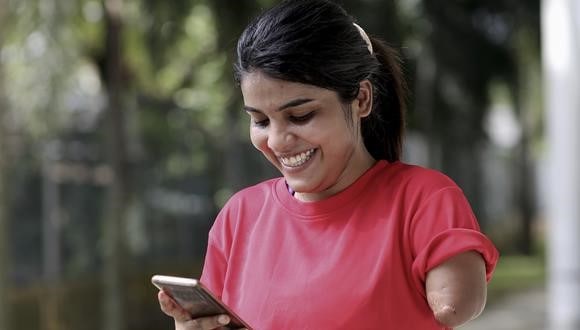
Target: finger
<point x="210" y="322"/>
<point x="171" y="308"/>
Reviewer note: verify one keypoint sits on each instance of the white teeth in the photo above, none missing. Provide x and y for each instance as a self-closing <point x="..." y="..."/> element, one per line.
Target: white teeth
<point x="297" y="160"/>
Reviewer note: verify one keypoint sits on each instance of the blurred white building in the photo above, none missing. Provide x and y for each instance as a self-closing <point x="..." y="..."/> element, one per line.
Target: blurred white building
<point x="561" y="52"/>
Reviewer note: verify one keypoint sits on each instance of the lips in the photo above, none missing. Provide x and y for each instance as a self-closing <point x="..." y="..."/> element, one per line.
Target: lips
<point x="297" y="159"/>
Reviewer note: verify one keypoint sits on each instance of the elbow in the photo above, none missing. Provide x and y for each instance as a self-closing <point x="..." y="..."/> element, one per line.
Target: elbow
<point x="455" y="310"/>
<point x="457" y="289"/>
<point x="451" y="315"/>
<point x="447" y="316"/>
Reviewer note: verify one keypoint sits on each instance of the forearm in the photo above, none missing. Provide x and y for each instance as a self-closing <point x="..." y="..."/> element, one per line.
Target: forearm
<point x="457" y="289"/>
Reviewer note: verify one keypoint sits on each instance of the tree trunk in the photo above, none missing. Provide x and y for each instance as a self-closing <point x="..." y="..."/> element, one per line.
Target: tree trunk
<point x="424" y="106"/>
<point x="526" y="100"/>
<point x="118" y="195"/>
<point x="4" y="243"/>
<point x="230" y="22"/>
<point x="51" y="256"/>
<point x="50" y="303"/>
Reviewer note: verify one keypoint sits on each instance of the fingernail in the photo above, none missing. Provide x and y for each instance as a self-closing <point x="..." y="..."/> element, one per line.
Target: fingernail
<point x="224" y="319"/>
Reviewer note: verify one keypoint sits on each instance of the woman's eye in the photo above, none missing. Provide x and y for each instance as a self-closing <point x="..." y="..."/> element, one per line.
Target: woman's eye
<point x="260" y="123"/>
<point x="302" y="119"/>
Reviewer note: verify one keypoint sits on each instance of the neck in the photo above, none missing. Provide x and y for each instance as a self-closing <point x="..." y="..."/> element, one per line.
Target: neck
<point x="357" y="166"/>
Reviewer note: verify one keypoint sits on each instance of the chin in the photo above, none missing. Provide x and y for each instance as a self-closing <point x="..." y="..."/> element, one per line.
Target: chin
<point x="300" y="187"/>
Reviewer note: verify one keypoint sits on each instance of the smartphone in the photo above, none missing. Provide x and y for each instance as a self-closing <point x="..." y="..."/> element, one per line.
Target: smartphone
<point x="190" y="294"/>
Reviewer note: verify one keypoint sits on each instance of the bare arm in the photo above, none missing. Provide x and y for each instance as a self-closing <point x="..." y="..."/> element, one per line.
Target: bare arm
<point x="457" y="289"/>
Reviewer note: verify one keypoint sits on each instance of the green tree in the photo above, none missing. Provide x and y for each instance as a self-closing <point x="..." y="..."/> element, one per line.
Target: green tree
<point x="463" y="47"/>
<point x="231" y="18"/>
<point x="120" y="190"/>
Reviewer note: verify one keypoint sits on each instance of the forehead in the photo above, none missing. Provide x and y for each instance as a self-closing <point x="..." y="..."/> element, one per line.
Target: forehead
<point x="263" y="92"/>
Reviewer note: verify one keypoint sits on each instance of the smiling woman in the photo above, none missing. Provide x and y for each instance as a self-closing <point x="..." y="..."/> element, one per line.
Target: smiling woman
<point x="301" y="129"/>
<point x="349" y="237"/>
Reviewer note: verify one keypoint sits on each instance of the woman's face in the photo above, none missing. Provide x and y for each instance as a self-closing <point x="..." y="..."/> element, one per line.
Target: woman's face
<point x="304" y="132"/>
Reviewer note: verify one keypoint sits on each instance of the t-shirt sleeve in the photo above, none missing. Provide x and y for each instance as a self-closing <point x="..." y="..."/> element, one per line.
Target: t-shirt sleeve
<point x="445" y="226"/>
<point x="215" y="264"/>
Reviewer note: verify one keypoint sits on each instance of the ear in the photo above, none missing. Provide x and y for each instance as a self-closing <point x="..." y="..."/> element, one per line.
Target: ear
<point x="363" y="104"/>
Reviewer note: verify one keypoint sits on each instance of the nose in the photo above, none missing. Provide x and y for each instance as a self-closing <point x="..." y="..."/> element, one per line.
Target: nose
<point x="279" y="138"/>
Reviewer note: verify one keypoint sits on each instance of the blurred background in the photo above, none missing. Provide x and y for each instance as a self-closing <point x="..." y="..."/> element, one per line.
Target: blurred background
<point x="122" y="134"/>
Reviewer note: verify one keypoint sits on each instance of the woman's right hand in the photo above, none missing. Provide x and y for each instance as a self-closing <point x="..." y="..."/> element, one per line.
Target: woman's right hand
<point x="183" y="320"/>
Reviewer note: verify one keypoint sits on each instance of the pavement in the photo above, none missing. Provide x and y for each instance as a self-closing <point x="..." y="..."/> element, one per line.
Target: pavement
<point x="524" y="310"/>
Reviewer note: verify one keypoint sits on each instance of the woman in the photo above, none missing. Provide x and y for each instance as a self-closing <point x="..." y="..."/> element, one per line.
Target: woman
<point x="349" y="237"/>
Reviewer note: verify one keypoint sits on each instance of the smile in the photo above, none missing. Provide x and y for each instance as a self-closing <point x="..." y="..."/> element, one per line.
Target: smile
<point x="297" y="160"/>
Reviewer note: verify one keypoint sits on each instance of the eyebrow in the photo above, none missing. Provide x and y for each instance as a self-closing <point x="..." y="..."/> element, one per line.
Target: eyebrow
<point x="293" y="103"/>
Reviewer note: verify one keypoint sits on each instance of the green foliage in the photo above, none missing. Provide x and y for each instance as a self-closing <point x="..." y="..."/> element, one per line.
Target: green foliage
<point x="515" y="273"/>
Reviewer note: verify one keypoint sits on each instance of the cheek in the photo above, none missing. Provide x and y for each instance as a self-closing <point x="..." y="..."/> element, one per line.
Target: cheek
<point x="259" y="139"/>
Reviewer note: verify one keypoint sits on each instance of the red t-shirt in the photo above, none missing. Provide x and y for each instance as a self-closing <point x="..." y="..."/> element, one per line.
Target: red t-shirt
<point x="356" y="260"/>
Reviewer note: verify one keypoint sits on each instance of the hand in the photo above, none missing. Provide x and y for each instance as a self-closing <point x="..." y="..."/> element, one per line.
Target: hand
<point x="183" y="320"/>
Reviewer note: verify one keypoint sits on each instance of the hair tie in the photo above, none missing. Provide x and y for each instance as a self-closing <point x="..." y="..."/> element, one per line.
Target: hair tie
<point x="365" y="37"/>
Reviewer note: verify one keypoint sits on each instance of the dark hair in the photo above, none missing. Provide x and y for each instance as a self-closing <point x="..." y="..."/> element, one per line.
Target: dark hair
<point x="315" y="42"/>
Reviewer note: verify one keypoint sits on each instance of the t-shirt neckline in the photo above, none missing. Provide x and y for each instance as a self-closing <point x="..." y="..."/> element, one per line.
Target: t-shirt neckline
<point x="316" y="209"/>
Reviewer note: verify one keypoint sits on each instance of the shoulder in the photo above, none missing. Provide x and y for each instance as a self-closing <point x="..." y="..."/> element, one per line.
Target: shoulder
<point x="250" y="199"/>
<point x="416" y="178"/>
<point x="244" y="207"/>
<point x="254" y="194"/>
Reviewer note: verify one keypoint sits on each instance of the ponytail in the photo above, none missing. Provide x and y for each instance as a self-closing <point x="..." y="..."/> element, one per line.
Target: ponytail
<point x="383" y="129"/>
